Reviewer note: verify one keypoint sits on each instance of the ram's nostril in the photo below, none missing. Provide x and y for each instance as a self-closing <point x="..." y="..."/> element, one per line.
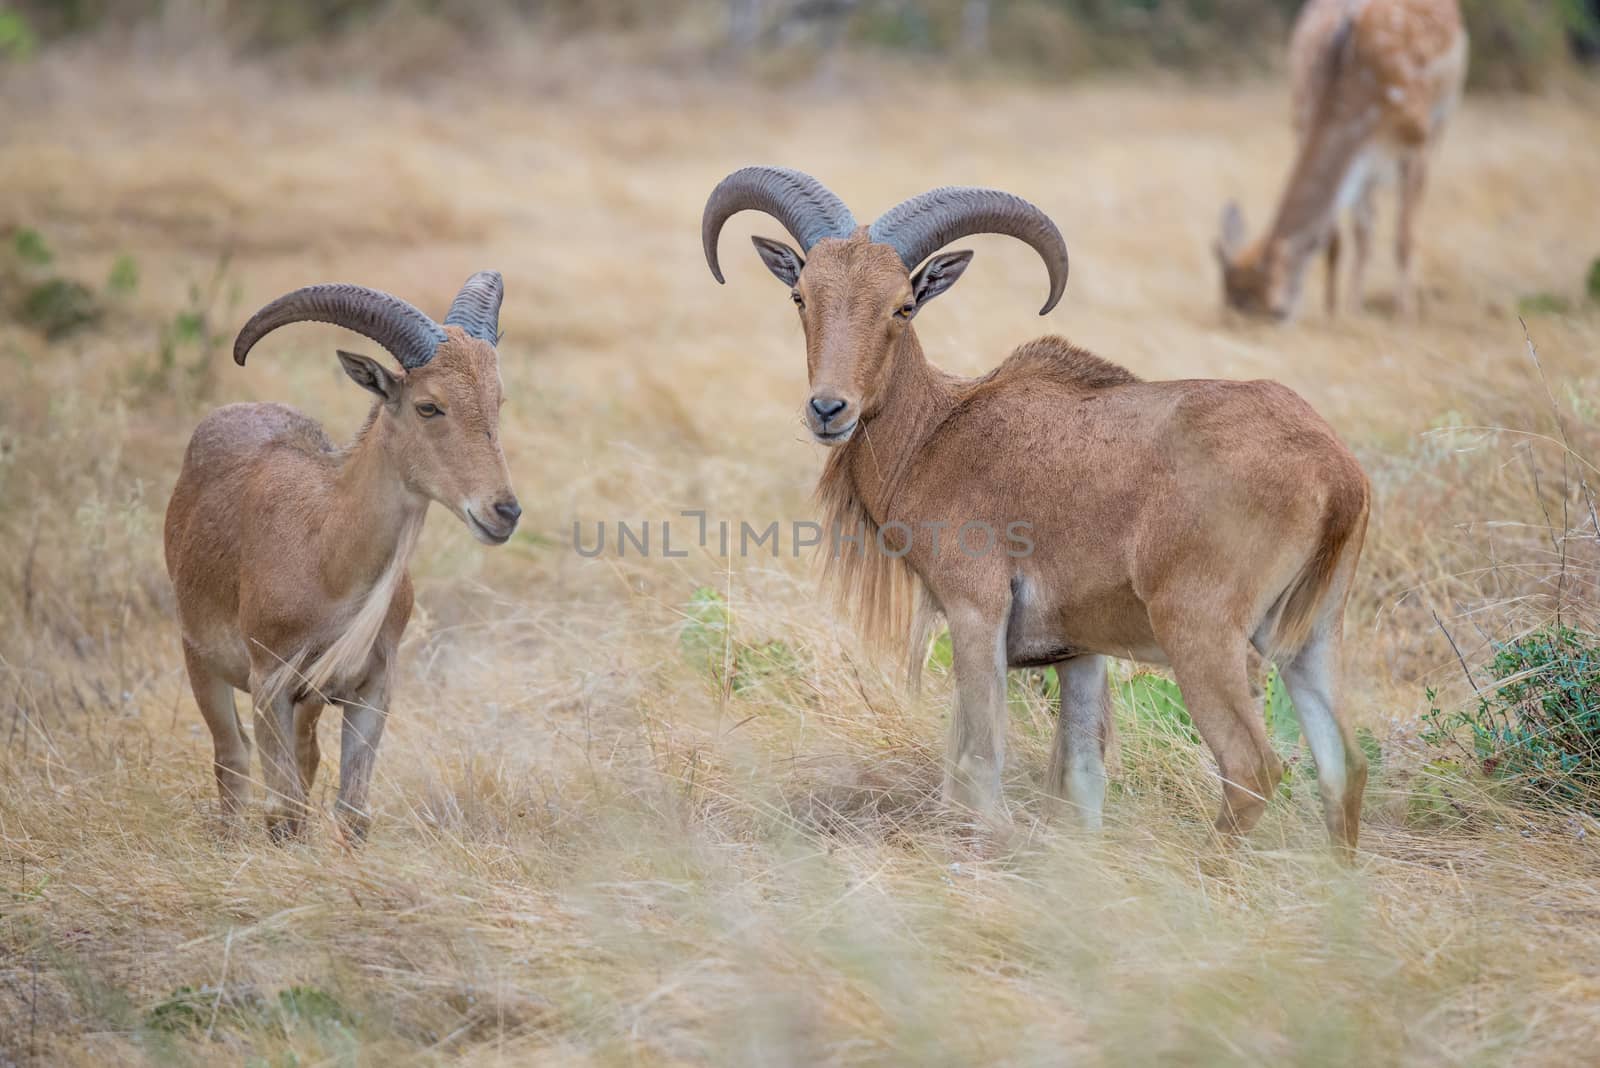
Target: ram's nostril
<point x="827" y="407"/>
<point x="510" y="510"/>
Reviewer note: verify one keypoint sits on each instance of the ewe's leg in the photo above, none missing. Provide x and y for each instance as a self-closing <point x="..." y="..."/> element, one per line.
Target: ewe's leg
<point x="308" y="755"/>
<point x="364" y="719"/>
<point x="977" y="746"/>
<point x="230" y="747"/>
<point x="1312" y="678"/>
<point x="274" y="720"/>
<point x="1077" y="775"/>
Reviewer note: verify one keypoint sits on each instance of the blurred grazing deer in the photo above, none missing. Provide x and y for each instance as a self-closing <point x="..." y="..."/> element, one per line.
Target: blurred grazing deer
<point x="1170" y="522"/>
<point x="289" y="555"/>
<point x="1373" y="82"/>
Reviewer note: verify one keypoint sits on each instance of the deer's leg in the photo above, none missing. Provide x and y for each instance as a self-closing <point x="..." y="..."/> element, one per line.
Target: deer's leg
<point x="230" y="747"/>
<point x="976" y="750"/>
<point x="1362" y="217"/>
<point x="1210" y="660"/>
<point x="364" y="717"/>
<point x="1331" y="279"/>
<point x="1312" y="677"/>
<point x="274" y="720"/>
<point x="1077" y="776"/>
<point x="308" y="755"/>
<point x="1413" y="174"/>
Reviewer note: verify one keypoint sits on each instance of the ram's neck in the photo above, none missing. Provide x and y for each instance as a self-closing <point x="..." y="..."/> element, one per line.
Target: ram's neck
<point x="881" y="456"/>
<point x="372" y="515"/>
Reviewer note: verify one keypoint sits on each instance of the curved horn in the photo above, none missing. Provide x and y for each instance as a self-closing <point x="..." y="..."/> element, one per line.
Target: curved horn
<point x="805" y="207"/>
<point x="399" y="327"/>
<point x="477" y="307"/>
<point x="919" y="227"/>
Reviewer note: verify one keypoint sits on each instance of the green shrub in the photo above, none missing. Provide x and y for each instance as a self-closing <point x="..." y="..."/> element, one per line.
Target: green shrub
<point x="17" y="40"/>
<point x="1538" y="729"/>
<point x="1544" y="304"/>
<point x="124" y="276"/>
<point x="58" y="306"/>
<point x="29" y="246"/>
<point x="708" y="642"/>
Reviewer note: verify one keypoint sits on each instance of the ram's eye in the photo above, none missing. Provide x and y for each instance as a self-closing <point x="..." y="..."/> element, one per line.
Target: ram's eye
<point x="428" y="410"/>
<point x="799" y="301"/>
<point x="906" y="310"/>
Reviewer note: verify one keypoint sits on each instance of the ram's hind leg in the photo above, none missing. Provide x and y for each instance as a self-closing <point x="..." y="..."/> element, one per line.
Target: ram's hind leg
<point x="1211" y="661"/>
<point x="1077" y="776"/>
<point x="230" y="745"/>
<point x="364" y="718"/>
<point x="308" y="755"/>
<point x="1312" y="678"/>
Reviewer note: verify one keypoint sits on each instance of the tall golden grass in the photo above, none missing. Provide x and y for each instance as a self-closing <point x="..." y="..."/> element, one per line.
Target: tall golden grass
<point x="591" y="846"/>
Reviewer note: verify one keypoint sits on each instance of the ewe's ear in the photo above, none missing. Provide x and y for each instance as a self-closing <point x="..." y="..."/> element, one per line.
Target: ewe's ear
<point x="1230" y="236"/>
<point x="780" y="259"/>
<point x="938" y="275"/>
<point x="371" y="376"/>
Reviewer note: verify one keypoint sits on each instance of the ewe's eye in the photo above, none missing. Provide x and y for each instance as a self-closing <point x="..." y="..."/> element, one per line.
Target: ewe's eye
<point x="428" y="410"/>
<point x="906" y="310"/>
<point x="799" y="301"/>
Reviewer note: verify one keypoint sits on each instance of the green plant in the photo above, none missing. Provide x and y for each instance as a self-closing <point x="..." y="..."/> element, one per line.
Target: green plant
<point x="124" y="276"/>
<point x="1157" y="702"/>
<point x="192" y="329"/>
<point x="708" y="642"/>
<point x="17" y="39"/>
<point x="1544" y="304"/>
<point x="29" y="246"/>
<point x="185" y="1009"/>
<point x="58" y="306"/>
<point x="312" y="1006"/>
<point x="1538" y="729"/>
<point x="1591" y="284"/>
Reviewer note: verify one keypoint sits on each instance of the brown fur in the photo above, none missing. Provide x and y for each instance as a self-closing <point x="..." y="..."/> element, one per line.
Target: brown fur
<point x="1178" y="522"/>
<point x="1373" y="83"/>
<point x="288" y="557"/>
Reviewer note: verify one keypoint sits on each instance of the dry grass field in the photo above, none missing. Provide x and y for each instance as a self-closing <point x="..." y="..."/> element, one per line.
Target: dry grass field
<point x="617" y="824"/>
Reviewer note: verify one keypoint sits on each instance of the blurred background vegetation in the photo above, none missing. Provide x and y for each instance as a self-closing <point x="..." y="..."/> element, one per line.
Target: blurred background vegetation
<point x="1516" y="44"/>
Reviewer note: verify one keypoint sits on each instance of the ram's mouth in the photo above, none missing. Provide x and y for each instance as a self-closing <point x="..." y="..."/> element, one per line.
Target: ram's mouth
<point x="836" y="437"/>
<point x="487" y="534"/>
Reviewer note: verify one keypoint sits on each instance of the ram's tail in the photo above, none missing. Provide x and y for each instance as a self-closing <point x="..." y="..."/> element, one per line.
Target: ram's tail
<point x="1304" y="602"/>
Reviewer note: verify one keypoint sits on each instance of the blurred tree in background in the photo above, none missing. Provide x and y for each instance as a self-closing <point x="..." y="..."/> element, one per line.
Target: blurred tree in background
<point x="1516" y="44"/>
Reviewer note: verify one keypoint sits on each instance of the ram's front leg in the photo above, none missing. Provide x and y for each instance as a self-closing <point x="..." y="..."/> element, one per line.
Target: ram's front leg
<point x="975" y="756"/>
<point x="275" y="737"/>
<point x="364" y="717"/>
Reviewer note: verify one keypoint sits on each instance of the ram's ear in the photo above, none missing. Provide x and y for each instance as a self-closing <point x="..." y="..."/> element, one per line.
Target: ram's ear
<point x="371" y="376"/>
<point x="784" y="262"/>
<point x="938" y="275"/>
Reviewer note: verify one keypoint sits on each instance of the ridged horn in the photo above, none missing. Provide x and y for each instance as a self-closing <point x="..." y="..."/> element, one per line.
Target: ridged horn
<point x="476" y="308"/>
<point x="409" y="335"/>
<point x="805" y="207"/>
<point x="921" y="226"/>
